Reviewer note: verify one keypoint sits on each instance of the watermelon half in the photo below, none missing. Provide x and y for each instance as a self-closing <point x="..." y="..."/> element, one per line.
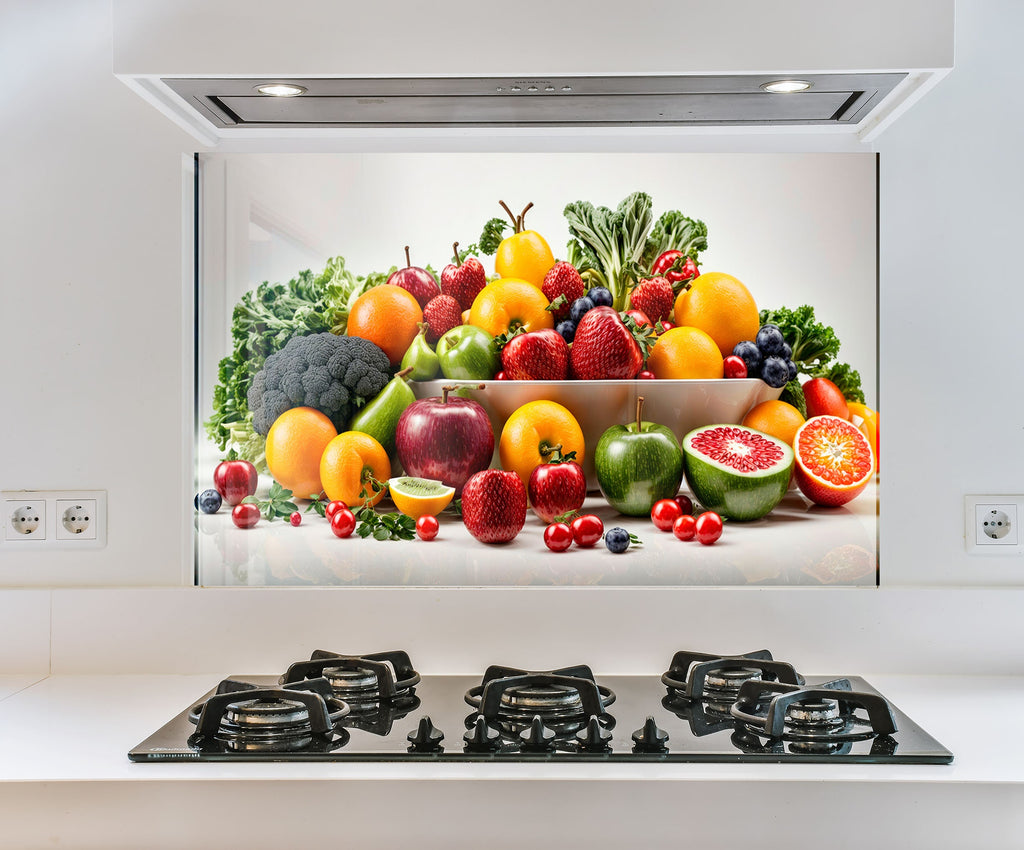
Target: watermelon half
<point x="736" y="471"/>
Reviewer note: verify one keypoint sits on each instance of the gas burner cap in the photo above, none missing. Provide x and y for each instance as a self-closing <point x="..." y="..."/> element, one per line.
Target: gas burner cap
<point x="266" y="713"/>
<point x="351" y="680"/>
<point x="551" y="700"/>
<point x="702" y="676"/>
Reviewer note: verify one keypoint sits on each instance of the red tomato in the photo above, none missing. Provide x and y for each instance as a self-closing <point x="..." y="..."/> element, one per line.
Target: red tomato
<point x="558" y="537"/>
<point x="426" y="527"/>
<point x="295" y="518"/>
<point x="646" y="375"/>
<point x="587" y="530"/>
<point x="709" y="527"/>
<point x="664" y="513"/>
<point x="825" y="399"/>
<point x="685" y="527"/>
<point x="343" y="523"/>
<point x="333" y="507"/>
<point x="245" y="515"/>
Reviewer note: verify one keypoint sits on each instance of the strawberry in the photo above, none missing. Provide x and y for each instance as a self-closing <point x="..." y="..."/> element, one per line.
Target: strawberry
<point x="557" y="487"/>
<point x="441" y="314"/>
<point x="494" y="506"/>
<point x="463" y="280"/>
<point x="653" y="296"/>
<point x="608" y="347"/>
<point x="562" y="280"/>
<point x="536" y="356"/>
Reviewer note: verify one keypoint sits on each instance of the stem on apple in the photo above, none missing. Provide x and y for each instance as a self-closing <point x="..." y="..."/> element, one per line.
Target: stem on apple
<point x="639" y="410"/>
<point x="408" y="262"/>
<point x="455" y="249"/>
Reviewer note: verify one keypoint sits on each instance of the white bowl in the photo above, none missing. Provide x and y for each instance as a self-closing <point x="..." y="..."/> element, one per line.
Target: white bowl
<point x="597" y="405"/>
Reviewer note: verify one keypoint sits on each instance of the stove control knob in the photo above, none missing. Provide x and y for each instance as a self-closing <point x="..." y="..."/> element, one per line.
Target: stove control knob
<point x="594" y="738"/>
<point x="538" y="738"/>
<point x="481" y="738"/>
<point x="650" y="739"/>
<point x="427" y="737"/>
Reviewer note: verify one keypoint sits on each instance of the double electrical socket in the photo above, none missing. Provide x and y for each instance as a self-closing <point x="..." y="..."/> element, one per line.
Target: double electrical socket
<point x="65" y="519"/>
<point x="991" y="525"/>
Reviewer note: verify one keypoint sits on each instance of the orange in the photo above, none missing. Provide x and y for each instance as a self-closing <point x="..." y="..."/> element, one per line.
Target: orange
<point x="867" y="420"/>
<point x="508" y="303"/>
<point x="532" y="430"/>
<point x="525" y="255"/>
<point x="388" y="316"/>
<point x="295" y="444"/>
<point x="721" y="306"/>
<point x="834" y="460"/>
<point x="350" y="464"/>
<point x="685" y="352"/>
<point x="776" y="418"/>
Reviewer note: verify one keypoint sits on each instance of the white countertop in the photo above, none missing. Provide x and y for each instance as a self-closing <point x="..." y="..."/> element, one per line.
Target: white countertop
<point x="64" y="741"/>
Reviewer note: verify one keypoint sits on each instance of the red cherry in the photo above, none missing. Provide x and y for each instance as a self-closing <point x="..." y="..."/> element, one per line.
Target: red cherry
<point x="709" y="527"/>
<point x="685" y="527"/>
<point x="647" y="375"/>
<point x="685" y="503"/>
<point x="558" y="537"/>
<point x="664" y="513"/>
<point x="734" y="367"/>
<point x="343" y="523"/>
<point x="500" y="376"/>
<point x="295" y="518"/>
<point x="667" y="326"/>
<point x="245" y="515"/>
<point x="587" y="530"/>
<point x="333" y="507"/>
<point x="426" y="527"/>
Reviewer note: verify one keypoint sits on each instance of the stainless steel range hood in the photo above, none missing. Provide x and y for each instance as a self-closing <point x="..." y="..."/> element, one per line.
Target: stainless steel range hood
<point x="599" y="101"/>
<point x="540" y="70"/>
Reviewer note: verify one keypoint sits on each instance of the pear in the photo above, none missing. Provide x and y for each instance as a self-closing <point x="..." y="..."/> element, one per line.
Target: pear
<point x="421" y="358"/>
<point x="380" y="417"/>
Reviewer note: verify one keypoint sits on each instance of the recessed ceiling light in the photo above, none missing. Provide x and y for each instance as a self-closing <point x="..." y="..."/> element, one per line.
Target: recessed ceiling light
<point x="786" y="86"/>
<point x="280" y="89"/>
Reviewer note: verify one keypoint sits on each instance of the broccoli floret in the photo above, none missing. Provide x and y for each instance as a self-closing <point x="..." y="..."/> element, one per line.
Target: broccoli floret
<point x="332" y="374"/>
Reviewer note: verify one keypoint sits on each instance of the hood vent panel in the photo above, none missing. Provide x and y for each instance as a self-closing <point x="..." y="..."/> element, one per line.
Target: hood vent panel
<point x="839" y="99"/>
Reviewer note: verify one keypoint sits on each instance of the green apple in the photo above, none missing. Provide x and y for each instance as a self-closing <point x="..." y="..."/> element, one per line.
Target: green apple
<point x="637" y="464"/>
<point x="467" y="353"/>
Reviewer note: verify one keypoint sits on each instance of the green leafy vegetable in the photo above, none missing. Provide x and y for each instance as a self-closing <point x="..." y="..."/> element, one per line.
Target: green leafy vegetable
<point x="490" y="239"/>
<point x="607" y="246"/>
<point x="277" y="504"/>
<point x="384" y="526"/>
<point x="845" y="377"/>
<point x="674" y="231"/>
<point x="793" y="393"/>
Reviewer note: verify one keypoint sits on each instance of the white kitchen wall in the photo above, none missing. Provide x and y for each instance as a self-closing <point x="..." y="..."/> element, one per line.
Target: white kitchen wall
<point x="92" y="337"/>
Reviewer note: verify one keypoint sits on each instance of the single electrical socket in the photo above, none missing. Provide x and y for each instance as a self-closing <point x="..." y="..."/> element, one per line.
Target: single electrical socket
<point x="25" y="519"/>
<point x="54" y="519"/>
<point x="990" y="525"/>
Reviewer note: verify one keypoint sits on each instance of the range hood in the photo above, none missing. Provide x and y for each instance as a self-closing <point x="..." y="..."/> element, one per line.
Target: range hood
<point x="556" y="68"/>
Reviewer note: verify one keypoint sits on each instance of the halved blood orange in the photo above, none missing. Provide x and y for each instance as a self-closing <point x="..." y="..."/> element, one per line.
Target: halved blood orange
<point x="834" y="461"/>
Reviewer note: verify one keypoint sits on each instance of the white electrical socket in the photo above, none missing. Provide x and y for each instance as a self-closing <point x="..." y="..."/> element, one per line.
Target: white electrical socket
<point x="991" y="525"/>
<point x="54" y="519"/>
<point x="24" y="519"/>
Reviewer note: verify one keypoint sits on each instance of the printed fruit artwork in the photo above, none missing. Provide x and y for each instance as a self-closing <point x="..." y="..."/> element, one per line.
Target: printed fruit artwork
<point x="532" y="435"/>
<point x="234" y="480"/>
<point x="557" y="487"/>
<point x="421" y="358"/>
<point x="417" y="497"/>
<point x="736" y="471"/>
<point x="605" y="348"/>
<point x="525" y="254"/>
<point x="778" y="418"/>
<point x="388" y="316"/>
<point x="834" y="460"/>
<point x="416" y="281"/>
<point x="824" y="398"/>
<point x="354" y="468"/>
<point x="441" y="315"/>
<point x="466" y="353"/>
<point x="562" y="281"/>
<point x="444" y="438"/>
<point x="380" y="417"/>
<point x="535" y="356"/>
<point x="494" y="506"/>
<point x="686" y="353"/>
<point x="295" y="444"/>
<point x="654" y="297"/>
<point x="867" y="420"/>
<point x="721" y="306"/>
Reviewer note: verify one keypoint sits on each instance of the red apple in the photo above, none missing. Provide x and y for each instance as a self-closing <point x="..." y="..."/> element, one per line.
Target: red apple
<point x="444" y="439"/>
<point x="234" y="480"/>
<point x="418" y="282"/>
<point x="557" y="488"/>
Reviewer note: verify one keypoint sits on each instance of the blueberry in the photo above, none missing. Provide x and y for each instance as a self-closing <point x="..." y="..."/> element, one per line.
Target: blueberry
<point x="601" y="296"/>
<point x="775" y="372"/>
<point x="580" y="307"/>
<point x="750" y="354"/>
<point x="208" y="501"/>
<point x="770" y="341"/>
<point x="567" y="329"/>
<point x="616" y="539"/>
<point x="787" y="352"/>
<point x="792" y="369"/>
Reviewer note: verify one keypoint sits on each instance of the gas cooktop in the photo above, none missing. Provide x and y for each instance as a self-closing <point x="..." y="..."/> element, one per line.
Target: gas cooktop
<point x="704" y="708"/>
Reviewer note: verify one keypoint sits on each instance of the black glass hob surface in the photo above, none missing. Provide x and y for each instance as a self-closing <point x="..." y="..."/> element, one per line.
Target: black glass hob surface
<point x="704" y="708"/>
